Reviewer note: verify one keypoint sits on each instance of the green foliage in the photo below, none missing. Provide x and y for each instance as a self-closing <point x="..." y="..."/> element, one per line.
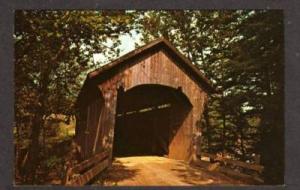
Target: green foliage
<point x="242" y="53"/>
<point x="53" y="53"/>
<point x="53" y="50"/>
<point x="52" y="162"/>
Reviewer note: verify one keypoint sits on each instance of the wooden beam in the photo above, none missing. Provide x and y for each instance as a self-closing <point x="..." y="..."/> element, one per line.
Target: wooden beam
<point x="240" y="175"/>
<point x="88" y="163"/>
<point x="228" y="171"/>
<point x="90" y="174"/>
<point x="256" y="167"/>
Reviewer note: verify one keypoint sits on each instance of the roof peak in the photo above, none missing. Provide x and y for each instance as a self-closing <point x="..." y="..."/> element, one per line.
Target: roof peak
<point x="143" y="47"/>
<point x="147" y="46"/>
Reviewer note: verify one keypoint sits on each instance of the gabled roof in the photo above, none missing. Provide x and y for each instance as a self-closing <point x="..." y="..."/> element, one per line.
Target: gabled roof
<point x="163" y="43"/>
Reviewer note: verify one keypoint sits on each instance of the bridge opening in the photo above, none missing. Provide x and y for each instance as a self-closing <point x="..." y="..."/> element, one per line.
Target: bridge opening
<point x="148" y="117"/>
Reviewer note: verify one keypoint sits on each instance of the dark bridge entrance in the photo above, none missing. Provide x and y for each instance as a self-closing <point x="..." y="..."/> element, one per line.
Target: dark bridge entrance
<point x="148" y="117"/>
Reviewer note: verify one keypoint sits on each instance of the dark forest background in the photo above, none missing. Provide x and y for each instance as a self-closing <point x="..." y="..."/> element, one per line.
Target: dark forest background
<point x="240" y="51"/>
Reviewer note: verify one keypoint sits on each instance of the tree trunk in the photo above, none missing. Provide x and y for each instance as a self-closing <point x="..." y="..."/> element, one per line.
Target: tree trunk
<point x="33" y="154"/>
<point x="272" y="129"/>
<point x="17" y="151"/>
<point x="224" y="125"/>
<point x="242" y="146"/>
<point x="208" y="128"/>
<point x="37" y="125"/>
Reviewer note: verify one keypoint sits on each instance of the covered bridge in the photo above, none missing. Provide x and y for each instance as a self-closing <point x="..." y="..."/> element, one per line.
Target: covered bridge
<point x="147" y="102"/>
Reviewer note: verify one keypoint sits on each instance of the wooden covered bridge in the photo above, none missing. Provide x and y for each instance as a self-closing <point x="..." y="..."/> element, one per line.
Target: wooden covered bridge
<point x="147" y="103"/>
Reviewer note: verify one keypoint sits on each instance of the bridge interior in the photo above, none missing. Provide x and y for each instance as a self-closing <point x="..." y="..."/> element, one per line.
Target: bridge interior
<point x="148" y="117"/>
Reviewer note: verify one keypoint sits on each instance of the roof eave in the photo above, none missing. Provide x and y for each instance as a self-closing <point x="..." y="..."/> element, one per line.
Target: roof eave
<point x="208" y="84"/>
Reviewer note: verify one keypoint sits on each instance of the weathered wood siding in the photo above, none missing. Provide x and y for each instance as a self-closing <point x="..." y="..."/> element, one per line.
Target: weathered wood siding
<point x="155" y="68"/>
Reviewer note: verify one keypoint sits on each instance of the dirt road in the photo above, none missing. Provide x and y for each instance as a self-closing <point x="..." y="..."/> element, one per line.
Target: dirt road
<point x="160" y="171"/>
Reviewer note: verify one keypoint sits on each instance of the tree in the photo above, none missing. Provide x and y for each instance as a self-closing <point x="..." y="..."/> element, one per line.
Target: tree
<point x="242" y="53"/>
<point x="260" y="51"/>
<point x="53" y="50"/>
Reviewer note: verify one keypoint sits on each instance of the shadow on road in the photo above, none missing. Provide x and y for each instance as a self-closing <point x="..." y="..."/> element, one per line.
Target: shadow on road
<point x="195" y="176"/>
<point x="115" y="174"/>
